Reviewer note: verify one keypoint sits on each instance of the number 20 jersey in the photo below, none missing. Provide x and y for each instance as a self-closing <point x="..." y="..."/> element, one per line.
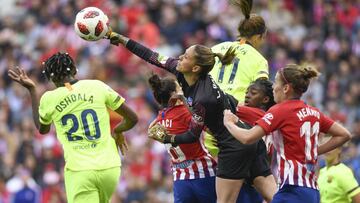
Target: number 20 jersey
<point x="295" y="128"/>
<point x="81" y="118"/>
<point x="189" y="161"/>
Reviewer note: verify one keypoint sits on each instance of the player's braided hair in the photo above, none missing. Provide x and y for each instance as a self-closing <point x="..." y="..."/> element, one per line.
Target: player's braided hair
<point x="58" y="67"/>
<point x="162" y="88"/>
<point x="252" y="24"/>
<point x="266" y="87"/>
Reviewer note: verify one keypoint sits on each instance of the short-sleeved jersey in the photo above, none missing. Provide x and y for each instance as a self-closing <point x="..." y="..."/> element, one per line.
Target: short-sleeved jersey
<point x="82" y="123"/>
<point x="295" y="128"/>
<point x="337" y="184"/>
<point x="189" y="161"/>
<point x="249" y="114"/>
<point x="248" y="65"/>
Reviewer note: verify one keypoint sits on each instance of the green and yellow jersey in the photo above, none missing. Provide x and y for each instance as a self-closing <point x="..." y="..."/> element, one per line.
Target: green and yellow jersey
<point x="234" y="78"/>
<point x="248" y="65"/>
<point x="82" y="123"/>
<point x="337" y="184"/>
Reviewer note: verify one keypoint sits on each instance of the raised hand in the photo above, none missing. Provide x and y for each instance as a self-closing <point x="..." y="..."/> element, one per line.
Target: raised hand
<point x="20" y="76"/>
<point x="116" y="38"/>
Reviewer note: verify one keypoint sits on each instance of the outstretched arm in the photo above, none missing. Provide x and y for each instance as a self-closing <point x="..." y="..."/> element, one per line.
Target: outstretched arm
<point x="143" y="52"/>
<point x="20" y="76"/>
<point x="243" y="135"/>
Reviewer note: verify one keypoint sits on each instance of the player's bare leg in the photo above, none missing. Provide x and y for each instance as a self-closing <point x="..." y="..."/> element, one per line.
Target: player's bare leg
<point x="227" y="190"/>
<point x="266" y="186"/>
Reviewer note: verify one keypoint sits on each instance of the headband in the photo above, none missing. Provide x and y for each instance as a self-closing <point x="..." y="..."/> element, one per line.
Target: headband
<point x="283" y="76"/>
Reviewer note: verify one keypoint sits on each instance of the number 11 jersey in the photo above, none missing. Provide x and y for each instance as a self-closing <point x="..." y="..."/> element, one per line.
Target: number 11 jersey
<point x="247" y="66"/>
<point x="295" y="128"/>
<point x="81" y="118"/>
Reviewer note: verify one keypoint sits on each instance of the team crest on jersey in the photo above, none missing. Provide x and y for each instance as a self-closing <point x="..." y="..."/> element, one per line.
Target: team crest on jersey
<point x="329" y="179"/>
<point x="267" y="118"/>
<point x="189" y="101"/>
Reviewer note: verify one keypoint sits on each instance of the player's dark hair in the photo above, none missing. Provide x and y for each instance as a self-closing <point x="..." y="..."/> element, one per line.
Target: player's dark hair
<point x="299" y="77"/>
<point x="205" y="58"/>
<point x="162" y="88"/>
<point x="265" y="86"/>
<point x="252" y="24"/>
<point x="58" y="67"/>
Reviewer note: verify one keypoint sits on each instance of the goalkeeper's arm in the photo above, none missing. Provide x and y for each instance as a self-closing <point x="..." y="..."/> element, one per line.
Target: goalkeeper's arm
<point x="150" y="56"/>
<point x="195" y="128"/>
<point x="184" y="138"/>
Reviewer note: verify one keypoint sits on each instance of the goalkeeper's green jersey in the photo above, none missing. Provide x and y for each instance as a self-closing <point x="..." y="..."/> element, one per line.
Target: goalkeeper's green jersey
<point x="247" y="66"/>
<point x="82" y="122"/>
<point x="337" y="184"/>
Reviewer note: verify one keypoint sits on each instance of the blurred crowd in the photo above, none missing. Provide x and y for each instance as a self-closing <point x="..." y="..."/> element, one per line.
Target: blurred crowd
<point x="320" y="33"/>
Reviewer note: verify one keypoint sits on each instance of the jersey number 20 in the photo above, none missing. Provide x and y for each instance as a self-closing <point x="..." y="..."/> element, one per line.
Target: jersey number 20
<point x="84" y="120"/>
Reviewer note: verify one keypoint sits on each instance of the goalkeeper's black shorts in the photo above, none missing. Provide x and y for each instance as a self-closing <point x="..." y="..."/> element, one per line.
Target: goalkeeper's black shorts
<point x="240" y="161"/>
<point x="261" y="165"/>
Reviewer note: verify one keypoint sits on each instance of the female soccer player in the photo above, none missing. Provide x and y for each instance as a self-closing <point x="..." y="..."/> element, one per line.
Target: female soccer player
<point x="208" y="102"/>
<point x="295" y="127"/>
<point x="247" y="66"/>
<point x="336" y="181"/>
<point x="78" y="109"/>
<point x="258" y="99"/>
<point x="193" y="168"/>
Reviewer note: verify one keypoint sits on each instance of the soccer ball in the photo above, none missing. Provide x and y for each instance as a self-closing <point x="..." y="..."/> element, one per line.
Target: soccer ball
<point x="91" y="24"/>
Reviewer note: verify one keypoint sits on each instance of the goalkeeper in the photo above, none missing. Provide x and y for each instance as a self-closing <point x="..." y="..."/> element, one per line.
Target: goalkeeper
<point x="193" y="168"/>
<point x="234" y="79"/>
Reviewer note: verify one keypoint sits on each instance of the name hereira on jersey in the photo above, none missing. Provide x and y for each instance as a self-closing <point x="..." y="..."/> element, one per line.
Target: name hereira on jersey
<point x="73" y="98"/>
<point x="305" y="112"/>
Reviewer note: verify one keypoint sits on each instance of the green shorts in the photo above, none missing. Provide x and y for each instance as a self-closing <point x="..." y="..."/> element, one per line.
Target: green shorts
<point x="91" y="186"/>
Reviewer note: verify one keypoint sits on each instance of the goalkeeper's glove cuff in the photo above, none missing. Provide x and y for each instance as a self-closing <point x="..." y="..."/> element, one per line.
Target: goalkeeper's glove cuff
<point x="114" y="37"/>
<point x="169" y="139"/>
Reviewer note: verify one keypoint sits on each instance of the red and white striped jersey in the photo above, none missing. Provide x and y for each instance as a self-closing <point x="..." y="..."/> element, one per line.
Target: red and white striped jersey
<point x="250" y="115"/>
<point x="295" y="128"/>
<point x="189" y="161"/>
